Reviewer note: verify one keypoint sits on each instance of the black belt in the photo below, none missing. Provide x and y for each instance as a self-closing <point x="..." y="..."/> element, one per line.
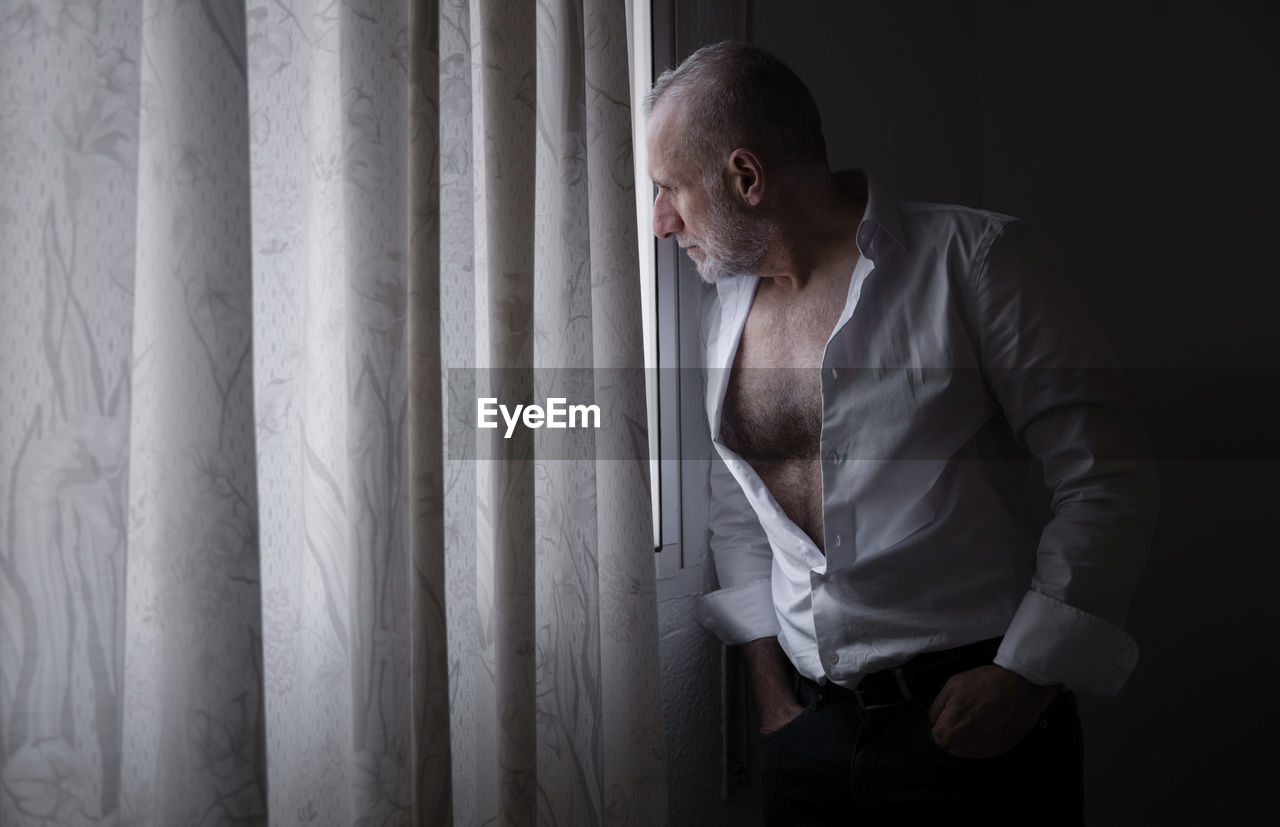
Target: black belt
<point x="917" y="681"/>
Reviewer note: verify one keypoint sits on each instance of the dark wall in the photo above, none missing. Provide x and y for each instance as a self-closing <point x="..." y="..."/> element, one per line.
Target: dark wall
<point x="1142" y="138"/>
<point x="1141" y="135"/>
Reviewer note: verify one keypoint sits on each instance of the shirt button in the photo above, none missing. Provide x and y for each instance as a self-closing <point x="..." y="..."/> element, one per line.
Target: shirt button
<point x="833" y="373"/>
<point x="835" y="458"/>
<point x="838" y="539"/>
<point x="833" y="658"/>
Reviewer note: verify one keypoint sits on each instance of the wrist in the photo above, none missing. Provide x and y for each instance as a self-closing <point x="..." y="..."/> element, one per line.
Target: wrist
<point x="778" y="714"/>
<point x="1029" y="684"/>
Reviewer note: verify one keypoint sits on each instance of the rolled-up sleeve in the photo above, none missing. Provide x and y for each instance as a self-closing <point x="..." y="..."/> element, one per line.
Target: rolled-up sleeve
<point x="742" y="609"/>
<point x="1064" y="395"/>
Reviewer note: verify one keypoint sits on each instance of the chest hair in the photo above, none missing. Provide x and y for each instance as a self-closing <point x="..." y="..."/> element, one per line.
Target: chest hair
<point x="773" y="405"/>
<point x="772" y="413"/>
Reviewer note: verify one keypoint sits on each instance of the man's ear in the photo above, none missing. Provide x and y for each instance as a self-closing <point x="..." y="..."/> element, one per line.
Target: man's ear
<point x="746" y="176"/>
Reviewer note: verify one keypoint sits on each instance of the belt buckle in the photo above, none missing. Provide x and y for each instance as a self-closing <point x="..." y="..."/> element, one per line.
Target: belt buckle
<point x="903" y="688"/>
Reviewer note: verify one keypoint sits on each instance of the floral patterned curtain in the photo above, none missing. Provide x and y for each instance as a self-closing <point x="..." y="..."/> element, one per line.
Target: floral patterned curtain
<point x="248" y="254"/>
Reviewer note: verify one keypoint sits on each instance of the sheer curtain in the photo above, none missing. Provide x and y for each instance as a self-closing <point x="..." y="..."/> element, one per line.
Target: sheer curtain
<point x="254" y="254"/>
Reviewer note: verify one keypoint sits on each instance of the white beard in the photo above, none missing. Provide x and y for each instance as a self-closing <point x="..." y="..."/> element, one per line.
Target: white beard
<point x="735" y="242"/>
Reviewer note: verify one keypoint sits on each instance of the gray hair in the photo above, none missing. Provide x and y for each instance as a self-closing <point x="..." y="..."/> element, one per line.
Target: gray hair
<point x="739" y="95"/>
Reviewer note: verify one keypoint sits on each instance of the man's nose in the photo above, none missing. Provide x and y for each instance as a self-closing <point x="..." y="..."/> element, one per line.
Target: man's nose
<point x="666" y="220"/>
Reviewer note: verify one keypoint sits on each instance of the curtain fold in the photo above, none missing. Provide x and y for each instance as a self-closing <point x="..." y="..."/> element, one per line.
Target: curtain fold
<point x="69" y="122"/>
<point x="192" y="726"/>
<point x="329" y="129"/>
<point x="432" y="776"/>
<point x="257" y="562"/>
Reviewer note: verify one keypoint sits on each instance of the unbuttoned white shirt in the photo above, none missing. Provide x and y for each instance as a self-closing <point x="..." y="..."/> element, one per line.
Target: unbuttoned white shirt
<point x="960" y="353"/>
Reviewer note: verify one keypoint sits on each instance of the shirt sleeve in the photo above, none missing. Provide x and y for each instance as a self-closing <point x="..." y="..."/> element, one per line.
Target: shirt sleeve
<point x="742" y="609"/>
<point x="1064" y="395"/>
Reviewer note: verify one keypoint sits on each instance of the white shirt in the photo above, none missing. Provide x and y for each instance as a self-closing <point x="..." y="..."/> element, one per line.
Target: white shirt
<point x="955" y="323"/>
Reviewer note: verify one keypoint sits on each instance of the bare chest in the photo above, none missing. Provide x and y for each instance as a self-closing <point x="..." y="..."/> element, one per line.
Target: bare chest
<point x="772" y="414"/>
<point x="773" y="405"/>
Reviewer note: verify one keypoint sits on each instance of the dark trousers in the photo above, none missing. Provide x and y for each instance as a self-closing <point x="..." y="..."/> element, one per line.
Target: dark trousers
<point x="838" y="764"/>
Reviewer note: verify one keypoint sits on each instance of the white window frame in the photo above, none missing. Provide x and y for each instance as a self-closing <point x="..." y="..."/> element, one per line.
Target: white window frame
<point x="671" y="293"/>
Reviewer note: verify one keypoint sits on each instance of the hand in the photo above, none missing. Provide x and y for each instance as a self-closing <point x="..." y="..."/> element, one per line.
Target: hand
<point x="987" y="711"/>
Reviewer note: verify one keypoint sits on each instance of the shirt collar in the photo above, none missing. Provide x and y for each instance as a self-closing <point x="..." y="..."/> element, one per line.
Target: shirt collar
<point x="881" y="224"/>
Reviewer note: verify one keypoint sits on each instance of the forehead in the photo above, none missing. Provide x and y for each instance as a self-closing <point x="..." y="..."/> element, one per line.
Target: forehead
<point x="666" y="116"/>
<point x="663" y="138"/>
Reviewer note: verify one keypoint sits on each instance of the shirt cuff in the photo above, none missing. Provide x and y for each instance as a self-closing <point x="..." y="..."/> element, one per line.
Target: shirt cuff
<point x="740" y="613"/>
<point x="1051" y="642"/>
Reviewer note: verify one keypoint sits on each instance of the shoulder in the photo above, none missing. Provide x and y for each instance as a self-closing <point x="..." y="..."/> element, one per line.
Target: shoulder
<point x="959" y="229"/>
<point x="969" y="243"/>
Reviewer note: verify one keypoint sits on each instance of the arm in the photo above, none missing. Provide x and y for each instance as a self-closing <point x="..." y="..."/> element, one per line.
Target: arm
<point x="771" y="682"/>
<point x="741" y="612"/>
<point x="742" y="609"/>
<point x="1063" y="394"/>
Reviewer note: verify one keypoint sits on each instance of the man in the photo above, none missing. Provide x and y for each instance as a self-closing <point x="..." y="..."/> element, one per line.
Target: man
<point x="882" y="375"/>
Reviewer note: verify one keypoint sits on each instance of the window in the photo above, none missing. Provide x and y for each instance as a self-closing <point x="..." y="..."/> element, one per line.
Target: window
<point x="679" y="442"/>
<point x="670" y="294"/>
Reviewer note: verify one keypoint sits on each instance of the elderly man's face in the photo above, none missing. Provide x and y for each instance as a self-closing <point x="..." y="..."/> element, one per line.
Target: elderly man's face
<point x="696" y="206"/>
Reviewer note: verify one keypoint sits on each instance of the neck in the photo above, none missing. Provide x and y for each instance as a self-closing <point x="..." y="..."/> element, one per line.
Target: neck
<point x="815" y="234"/>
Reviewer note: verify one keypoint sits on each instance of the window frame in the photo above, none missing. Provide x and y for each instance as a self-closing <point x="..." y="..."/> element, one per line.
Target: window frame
<point x="677" y="418"/>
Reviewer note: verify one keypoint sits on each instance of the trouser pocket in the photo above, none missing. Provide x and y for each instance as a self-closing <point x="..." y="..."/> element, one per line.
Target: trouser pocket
<point x="804" y="766"/>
